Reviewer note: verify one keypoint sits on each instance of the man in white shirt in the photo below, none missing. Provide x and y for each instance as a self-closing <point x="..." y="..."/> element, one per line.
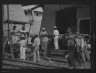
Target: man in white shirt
<point x="36" y="45"/>
<point x="44" y="38"/>
<point x="56" y="37"/>
<point x="23" y="43"/>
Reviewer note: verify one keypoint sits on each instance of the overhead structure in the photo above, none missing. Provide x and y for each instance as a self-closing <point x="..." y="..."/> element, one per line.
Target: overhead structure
<point x="15" y="13"/>
<point x="28" y="7"/>
<point x="39" y="9"/>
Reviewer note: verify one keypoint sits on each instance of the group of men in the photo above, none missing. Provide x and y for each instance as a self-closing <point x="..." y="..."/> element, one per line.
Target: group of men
<point x="41" y="39"/>
<point x="45" y="39"/>
<point x="77" y="50"/>
<point x="23" y="42"/>
<point x="76" y="46"/>
<point x="38" y="39"/>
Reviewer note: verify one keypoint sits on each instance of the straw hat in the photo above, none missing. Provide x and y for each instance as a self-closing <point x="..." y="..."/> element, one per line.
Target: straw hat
<point x="68" y="29"/>
<point x="77" y="33"/>
<point x="43" y="28"/>
<point x="55" y="26"/>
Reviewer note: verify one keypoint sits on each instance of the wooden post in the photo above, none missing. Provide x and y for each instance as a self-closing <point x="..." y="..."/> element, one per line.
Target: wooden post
<point x="92" y="35"/>
<point x="30" y="24"/>
<point x="9" y="32"/>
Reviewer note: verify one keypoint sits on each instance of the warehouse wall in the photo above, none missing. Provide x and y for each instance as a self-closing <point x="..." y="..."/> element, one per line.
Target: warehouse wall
<point x="49" y="16"/>
<point x="48" y="22"/>
<point x="83" y="13"/>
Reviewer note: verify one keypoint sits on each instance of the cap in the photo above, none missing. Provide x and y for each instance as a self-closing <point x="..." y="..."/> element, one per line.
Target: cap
<point x="77" y="33"/>
<point x="68" y="29"/>
<point x="43" y="28"/>
<point x="55" y="26"/>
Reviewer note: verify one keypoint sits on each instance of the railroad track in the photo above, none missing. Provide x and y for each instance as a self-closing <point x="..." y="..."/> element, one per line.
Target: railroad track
<point x="12" y="66"/>
<point x="57" y="59"/>
<point x="28" y="65"/>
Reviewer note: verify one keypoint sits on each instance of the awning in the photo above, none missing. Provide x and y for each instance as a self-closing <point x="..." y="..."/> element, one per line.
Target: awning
<point x="28" y="7"/>
<point x="39" y="9"/>
<point x="16" y="22"/>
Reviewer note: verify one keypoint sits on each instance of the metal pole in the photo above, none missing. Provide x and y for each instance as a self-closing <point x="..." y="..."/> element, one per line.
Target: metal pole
<point x="30" y="21"/>
<point x="9" y="31"/>
<point x="2" y="26"/>
<point x="92" y="37"/>
<point x="8" y="19"/>
<point x="30" y="25"/>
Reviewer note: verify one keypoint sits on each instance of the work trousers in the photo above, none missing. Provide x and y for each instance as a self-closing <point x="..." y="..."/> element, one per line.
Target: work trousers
<point x="85" y="55"/>
<point x="45" y="47"/>
<point x="79" y="55"/>
<point x="36" y="56"/>
<point x="71" y="60"/>
<point x="22" y="53"/>
<point x="56" y="42"/>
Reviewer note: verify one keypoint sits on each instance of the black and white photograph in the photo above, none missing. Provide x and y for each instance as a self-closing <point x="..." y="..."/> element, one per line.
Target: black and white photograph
<point x="47" y="36"/>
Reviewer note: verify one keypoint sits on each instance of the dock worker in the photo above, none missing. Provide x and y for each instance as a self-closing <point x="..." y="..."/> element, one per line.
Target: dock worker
<point x="56" y="37"/>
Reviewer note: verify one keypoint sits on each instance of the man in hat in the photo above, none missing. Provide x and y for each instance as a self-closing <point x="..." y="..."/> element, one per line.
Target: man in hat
<point x="71" y="50"/>
<point x="78" y="41"/>
<point x="36" y="45"/>
<point x="56" y="37"/>
<point x="43" y="33"/>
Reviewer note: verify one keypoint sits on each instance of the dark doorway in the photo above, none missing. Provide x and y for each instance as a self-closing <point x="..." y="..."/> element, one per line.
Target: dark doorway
<point x="66" y="18"/>
<point x="85" y="26"/>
